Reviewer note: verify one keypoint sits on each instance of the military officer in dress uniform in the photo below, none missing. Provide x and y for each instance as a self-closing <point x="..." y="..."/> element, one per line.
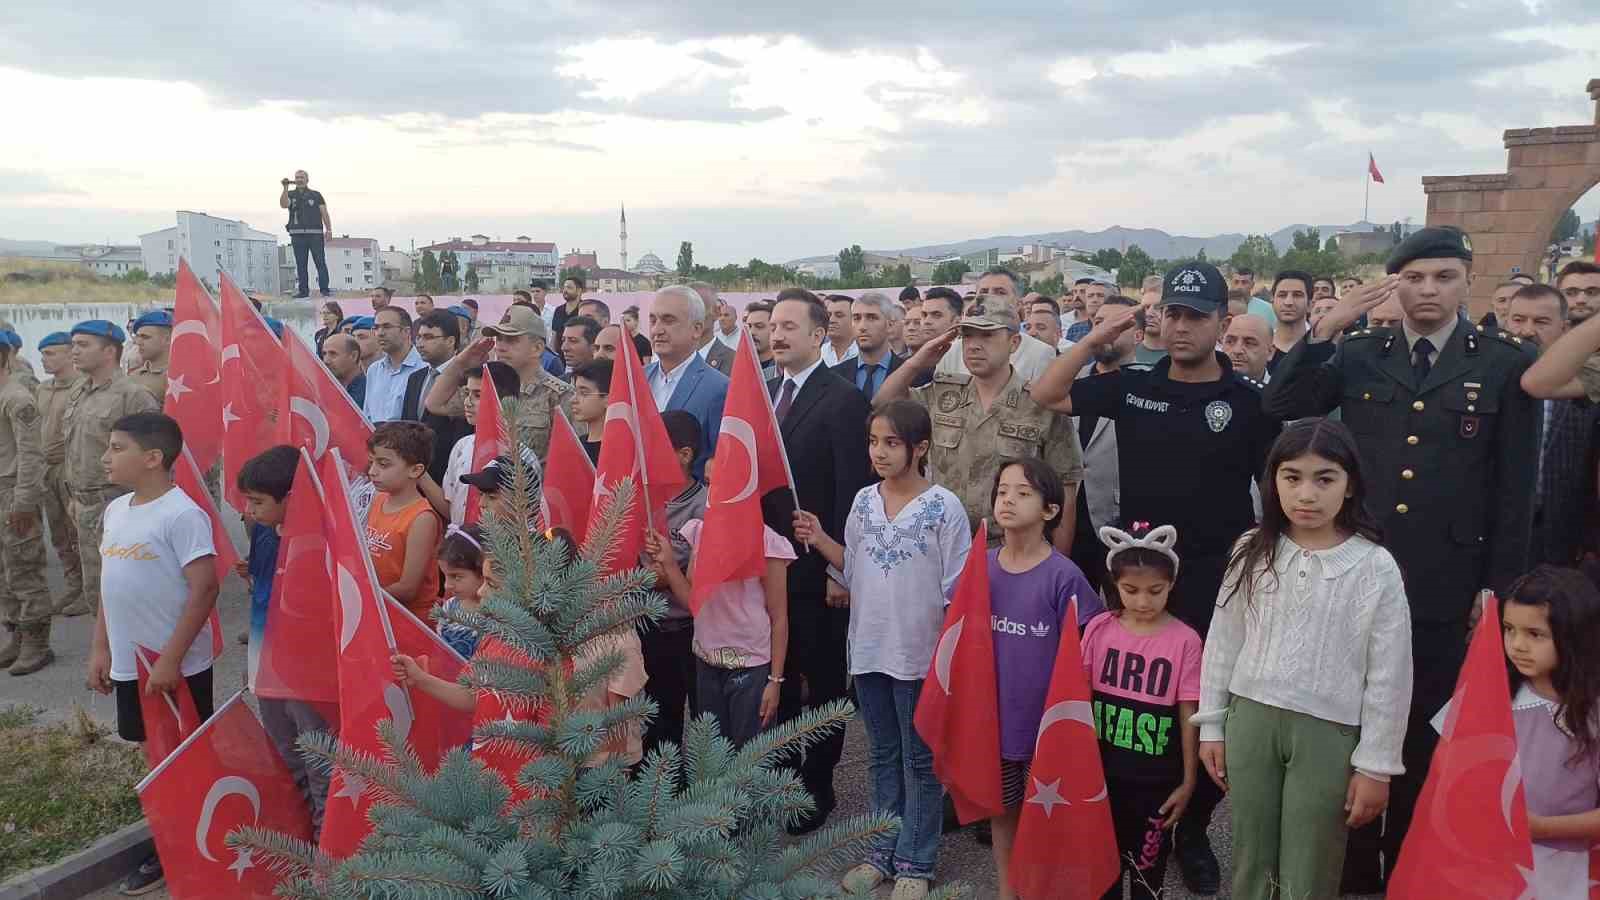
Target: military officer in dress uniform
<point x="988" y="415"/>
<point x="1448" y="439"/>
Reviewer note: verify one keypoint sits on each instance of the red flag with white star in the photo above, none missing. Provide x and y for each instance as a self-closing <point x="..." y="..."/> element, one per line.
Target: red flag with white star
<point x="253" y="369"/>
<point x="1064" y="801"/>
<point x="194" y="389"/>
<point x="224" y="776"/>
<point x="1469" y="835"/>
<point x="169" y="718"/>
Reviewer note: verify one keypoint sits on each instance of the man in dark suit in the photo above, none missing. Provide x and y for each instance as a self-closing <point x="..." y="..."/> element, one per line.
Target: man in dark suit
<point x="438" y="340"/>
<point x="874" y="361"/>
<point x="823" y="421"/>
<point x="679" y="378"/>
<point x="717" y="355"/>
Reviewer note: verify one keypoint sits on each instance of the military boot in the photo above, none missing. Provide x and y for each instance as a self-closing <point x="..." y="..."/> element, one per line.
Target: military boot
<point x="36" y="652"/>
<point x="12" y="648"/>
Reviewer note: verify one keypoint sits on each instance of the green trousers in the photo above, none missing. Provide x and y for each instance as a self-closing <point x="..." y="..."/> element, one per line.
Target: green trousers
<point x="1288" y="774"/>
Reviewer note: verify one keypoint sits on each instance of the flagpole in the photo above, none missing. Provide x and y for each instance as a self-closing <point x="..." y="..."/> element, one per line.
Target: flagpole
<point x="1366" y="200"/>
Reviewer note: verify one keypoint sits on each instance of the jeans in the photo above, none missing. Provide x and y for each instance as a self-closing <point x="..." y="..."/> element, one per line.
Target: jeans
<point x="733" y="696"/>
<point x="309" y="244"/>
<point x="903" y="783"/>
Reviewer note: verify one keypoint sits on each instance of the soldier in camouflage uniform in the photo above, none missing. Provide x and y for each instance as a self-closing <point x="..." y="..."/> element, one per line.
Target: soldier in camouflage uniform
<point x="25" y="605"/>
<point x="984" y="417"/>
<point x="152" y="332"/>
<point x="55" y="354"/>
<point x="519" y="341"/>
<point x="104" y="396"/>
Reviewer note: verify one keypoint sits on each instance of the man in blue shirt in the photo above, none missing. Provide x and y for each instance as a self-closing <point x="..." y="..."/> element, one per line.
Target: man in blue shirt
<point x="387" y="377"/>
<point x="874" y="360"/>
<point x="342" y="355"/>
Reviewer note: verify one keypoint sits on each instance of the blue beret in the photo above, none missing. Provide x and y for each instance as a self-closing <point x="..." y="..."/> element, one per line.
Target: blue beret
<point x="56" y="339"/>
<point x="1438" y="242"/>
<point x="100" y="328"/>
<point x="348" y="322"/>
<point x="11" y="338"/>
<point x="275" y="325"/>
<point x="461" y="311"/>
<point x="160" y="318"/>
<point x="365" y="323"/>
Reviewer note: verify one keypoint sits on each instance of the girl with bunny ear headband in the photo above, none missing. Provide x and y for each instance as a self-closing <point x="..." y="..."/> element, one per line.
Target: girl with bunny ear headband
<point x="1159" y="540"/>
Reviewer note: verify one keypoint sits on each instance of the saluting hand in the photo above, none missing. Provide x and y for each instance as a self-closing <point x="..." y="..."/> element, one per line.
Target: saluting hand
<point x="476" y="354"/>
<point x="929" y="354"/>
<point x="1353" y="305"/>
<point x="1117" y="320"/>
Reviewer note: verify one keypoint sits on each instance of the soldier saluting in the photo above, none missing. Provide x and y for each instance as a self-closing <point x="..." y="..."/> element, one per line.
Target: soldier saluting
<point x="1448" y="443"/>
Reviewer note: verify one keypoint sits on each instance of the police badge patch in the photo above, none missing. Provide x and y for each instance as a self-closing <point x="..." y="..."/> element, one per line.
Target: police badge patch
<point x="1218" y="415"/>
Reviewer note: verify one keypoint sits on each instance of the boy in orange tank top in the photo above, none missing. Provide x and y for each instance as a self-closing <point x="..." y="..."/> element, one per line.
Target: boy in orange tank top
<point x="402" y="527"/>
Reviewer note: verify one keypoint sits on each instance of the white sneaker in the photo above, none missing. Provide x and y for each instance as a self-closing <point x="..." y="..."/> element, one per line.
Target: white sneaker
<point x="909" y="889"/>
<point x="862" y="878"/>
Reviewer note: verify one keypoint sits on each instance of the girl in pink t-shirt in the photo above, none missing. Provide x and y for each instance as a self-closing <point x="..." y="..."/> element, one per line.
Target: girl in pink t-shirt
<point x="1144" y="672"/>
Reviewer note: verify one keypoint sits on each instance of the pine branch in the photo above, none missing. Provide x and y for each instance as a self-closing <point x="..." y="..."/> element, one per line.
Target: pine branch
<point x="521" y="685"/>
<point x="383" y="782"/>
<point x="836" y="845"/>
<point x="407" y="875"/>
<point x="289" y="856"/>
<point x="606" y="520"/>
<point x="796" y="735"/>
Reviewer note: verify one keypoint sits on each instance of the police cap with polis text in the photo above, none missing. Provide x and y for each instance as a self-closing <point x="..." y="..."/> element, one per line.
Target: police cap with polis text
<point x="56" y="339"/>
<point x="1197" y="285"/>
<point x="101" y="328"/>
<point x="1438" y="242"/>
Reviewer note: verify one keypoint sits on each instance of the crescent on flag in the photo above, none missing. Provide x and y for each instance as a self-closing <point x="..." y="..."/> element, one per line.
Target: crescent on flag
<point x="945" y="651"/>
<point x="1079" y="711"/>
<point x="220" y="789"/>
<point x="394" y="697"/>
<point x="307" y="410"/>
<point x="191" y="326"/>
<point x="349" y="607"/>
<point x="740" y="431"/>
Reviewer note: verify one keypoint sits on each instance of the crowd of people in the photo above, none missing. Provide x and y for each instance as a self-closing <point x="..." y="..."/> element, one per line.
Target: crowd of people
<point x="1276" y="516"/>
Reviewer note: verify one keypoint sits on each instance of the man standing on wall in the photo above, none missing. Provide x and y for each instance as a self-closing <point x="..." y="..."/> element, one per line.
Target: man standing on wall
<point x="308" y="227"/>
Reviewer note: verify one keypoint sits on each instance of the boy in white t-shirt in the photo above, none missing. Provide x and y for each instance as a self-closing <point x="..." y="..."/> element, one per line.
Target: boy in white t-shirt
<point x="507" y="385"/>
<point x="158" y="585"/>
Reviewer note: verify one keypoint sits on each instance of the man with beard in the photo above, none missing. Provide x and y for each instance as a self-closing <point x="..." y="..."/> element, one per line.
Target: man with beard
<point x="758" y="321"/>
<point x="1248" y="342"/>
<point x="1195" y="404"/>
<point x="342" y="355"/>
<point x="397" y="359"/>
<point x="1579" y="282"/>
<point x="841" y="344"/>
<point x="1291" y="303"/>
<point x="873" y="362"/>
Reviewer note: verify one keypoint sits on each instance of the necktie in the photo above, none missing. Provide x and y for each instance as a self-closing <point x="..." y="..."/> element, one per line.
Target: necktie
<point x="870" y="383"/>
<point x="785" y="399"/>
<point x="1420" y="364"/>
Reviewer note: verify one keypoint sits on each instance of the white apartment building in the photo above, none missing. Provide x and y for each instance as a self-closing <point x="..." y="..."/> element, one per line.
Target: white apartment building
<point x="211" y="245"/>
<point x="353" y="264"/>
<point x="539" y="257"/>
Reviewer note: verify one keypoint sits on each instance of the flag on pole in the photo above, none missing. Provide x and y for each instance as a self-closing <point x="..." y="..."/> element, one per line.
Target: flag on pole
<point x="1066" y="802"/>
<point x="568" y="480"/>
<point x="1469" y="835"/>
<point x="435" y="727"/>
<point x="959" y="713"/>
<point x="1372" y="169"/>
<point x="253" y="367"/>
<point x="489" y="442"/>
<point x="169" y="718"/>
<point x="194" y="389"/>
<point x="293" y="651"/>
<point x="187" y="476"/>
<point x="750" y="462"/>
<point x="224" y="776"/>
<point x="321" y="412"/>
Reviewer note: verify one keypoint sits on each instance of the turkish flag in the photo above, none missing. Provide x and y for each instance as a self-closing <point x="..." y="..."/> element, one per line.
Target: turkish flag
<point x="568" y="486"/>
<point x="1469" y="835"/>
<point x="489" y="442"/>
<point x="634" y="444"/>
<point x="253" y="370"/>
<point x="368" y="692"/>
<point x="186" y="474"/>
<point x="321" y="412"/>
<point x="504" y="757"/>
<point x="224" y="777"/>
<point x="295" y="655"/>
<point x="1372" y="169"/>
<point x="1065" y="803"/>
<point x="959" y="713"/>
<point x="436" y="729"/>
<point x="169" y="718"/>
<point x="194" y="389"/>
<point x="750" y="461"/>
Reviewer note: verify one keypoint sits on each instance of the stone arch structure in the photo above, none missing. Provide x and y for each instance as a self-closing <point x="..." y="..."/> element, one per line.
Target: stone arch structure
<point x="1510" y="215"/>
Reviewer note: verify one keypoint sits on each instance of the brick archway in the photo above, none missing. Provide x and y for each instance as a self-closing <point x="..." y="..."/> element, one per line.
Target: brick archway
<point x="1510" y="215"/>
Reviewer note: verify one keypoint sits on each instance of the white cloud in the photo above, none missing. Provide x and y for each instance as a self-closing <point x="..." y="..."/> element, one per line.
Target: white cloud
<point x="1180" y="60"/>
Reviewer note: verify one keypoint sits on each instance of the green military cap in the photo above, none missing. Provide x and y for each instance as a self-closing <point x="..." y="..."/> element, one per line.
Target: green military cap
<point x="1441" y="242"/>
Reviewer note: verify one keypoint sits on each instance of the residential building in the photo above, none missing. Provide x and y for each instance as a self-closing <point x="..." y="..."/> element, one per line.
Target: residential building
<point x="827" y="268"/>
<point x="581" y="259"/>
<point x="213" y="245"/>
<point x="503" y="277"/>
<point x="981" y="260"/>
<point x="610" y="281"/>
<point x="111" y="260"/>
<point x="650" y="264"/>
<point x="539" y="258"/>
<point x="398" y="265"/>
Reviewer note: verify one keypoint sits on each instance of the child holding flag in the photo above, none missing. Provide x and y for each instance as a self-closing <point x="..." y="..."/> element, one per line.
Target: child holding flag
<point x="1308" y="665"/>
<point x="905" y="542"/>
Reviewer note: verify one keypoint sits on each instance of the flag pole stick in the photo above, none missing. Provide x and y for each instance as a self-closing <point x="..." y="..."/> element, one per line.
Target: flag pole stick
<point x="1366" y="200"/>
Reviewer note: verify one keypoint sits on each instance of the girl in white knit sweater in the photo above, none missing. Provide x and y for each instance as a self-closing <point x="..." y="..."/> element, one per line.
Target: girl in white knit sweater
<point x="1306" y="678"/>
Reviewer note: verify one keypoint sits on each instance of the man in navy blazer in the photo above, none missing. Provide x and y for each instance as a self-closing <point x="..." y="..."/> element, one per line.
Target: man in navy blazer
<point x="678" y="377"/>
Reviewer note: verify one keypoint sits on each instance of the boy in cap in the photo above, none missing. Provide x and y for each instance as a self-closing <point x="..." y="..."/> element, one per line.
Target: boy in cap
<point x="25" y="606"/>
<point x="152" y="332"/>
<point x="55" y="355"/>
<point x="1448" y="441"/>
<point x="104" y="396"/>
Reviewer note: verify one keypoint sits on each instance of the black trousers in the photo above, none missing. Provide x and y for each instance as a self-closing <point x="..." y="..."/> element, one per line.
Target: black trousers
<point x="1142" y="844"/>
<point x="1437" y="652"/>
<point x="814" y="674"/>
<point x="669" y="667"/>
<point x="309" y="245"/>
<point x="1194" y="601"/>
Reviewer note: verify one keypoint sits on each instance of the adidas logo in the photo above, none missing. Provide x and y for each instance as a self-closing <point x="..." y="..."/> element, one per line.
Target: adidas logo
<point x="1003" y="625"/>
<point x="1041" y="630"/>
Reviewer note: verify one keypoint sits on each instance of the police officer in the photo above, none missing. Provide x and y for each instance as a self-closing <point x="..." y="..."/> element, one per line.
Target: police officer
<point x="988" y="415"/>
<point x="25" y="603"/>
<point x="1191" y="438"/>
<point x="103" y="397"/>
<point x="55" y="355"/>
<point x="152" y="333"/>
<point x="1448" y="440"/>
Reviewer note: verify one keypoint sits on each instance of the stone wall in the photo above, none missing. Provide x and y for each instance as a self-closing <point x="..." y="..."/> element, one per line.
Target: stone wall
<point x="1510" y="216"/>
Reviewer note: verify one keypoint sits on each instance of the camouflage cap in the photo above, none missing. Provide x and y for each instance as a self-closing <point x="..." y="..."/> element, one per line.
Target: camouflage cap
<point x="990" y="314"/>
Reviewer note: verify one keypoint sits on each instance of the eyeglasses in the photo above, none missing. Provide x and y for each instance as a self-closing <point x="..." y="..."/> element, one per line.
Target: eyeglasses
<point x="1573" y="293"/>
<point x="585" y="393"/>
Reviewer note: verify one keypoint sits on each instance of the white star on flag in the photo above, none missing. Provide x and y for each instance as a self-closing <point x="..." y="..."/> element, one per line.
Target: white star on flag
<point x="241" y="861"/>
<point x="1048" y="795"/>
<point x="352" y="787"/>
<point x="176" y="388"/>
<point x="228" y="418"/>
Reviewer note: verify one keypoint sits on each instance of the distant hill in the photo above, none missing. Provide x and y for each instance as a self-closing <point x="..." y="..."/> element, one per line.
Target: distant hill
<point x="25" y="248"/>
<point x="1153" y="241"/>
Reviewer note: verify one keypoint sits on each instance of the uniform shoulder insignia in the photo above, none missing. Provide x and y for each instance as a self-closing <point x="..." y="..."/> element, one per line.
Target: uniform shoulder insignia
<point x="1137" y="367"/>
<point x="1365" y="333"/>
<point x="951" y="378"/>
<point x="1481" y="328"/>
<point x="1246" y="379"/>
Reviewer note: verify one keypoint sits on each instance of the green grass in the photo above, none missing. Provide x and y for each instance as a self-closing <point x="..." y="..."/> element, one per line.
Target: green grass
<point x="62" y="786"/>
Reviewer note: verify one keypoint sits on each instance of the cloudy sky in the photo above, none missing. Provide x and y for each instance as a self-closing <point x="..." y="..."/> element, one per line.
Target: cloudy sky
<point x="771" y="129"/>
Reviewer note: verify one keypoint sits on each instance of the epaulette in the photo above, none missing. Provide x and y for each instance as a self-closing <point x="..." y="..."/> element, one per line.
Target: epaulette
<point x="1250" y="381"/>
<point x="951" y="378"/>
<point x="1137" y="367"/>
<point x="1521" y="345"/>
<point x="1365" y="333"/>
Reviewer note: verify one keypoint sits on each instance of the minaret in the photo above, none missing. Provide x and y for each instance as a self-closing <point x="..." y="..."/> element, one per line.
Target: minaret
<point x="624" y="237"/>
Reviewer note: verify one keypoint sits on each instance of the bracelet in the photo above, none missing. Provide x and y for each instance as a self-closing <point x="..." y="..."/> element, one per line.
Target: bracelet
<point x="775" y="679"/>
